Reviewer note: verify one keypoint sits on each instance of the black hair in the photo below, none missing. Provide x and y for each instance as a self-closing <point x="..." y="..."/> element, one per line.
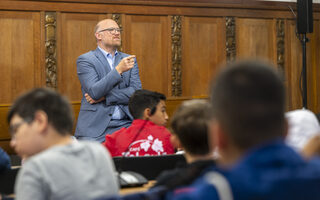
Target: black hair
<point x="142" y="99"/>
<point x="248" y="100"/>
<point x="53" y="104"/>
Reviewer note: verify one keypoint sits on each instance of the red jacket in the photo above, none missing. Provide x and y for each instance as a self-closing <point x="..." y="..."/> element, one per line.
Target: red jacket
<point x="152" y="140"/>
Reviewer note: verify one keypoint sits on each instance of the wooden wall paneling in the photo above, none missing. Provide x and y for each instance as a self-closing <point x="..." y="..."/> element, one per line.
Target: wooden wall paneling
<point x="293" y="66"/>
<point x="147" y="38"/>
<point x="20" y="62"/>
<point x="4" y="134"/>
<point x="213" y="9"/>
<point x="75" y="105"/>
<point x="313" y="69"/>
<point x="256" y="39"/>
<point x="19" y="53"/>
<point x="75" y="37"/>
<point x="203" y="50"/>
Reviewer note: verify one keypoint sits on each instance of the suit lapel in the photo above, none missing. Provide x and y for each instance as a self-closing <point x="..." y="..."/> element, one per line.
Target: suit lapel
<point x="102" y="59"/>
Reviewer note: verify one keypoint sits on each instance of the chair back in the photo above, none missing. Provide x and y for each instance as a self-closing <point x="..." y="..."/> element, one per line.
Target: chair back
<point x="7" y="180"/>
<point x="149" y="166"/>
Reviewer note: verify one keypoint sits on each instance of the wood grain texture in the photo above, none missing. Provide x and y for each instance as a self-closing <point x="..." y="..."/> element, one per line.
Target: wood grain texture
<point x="313" y="70"/>
<point x="75" y="37"/>
<point x="255" y="38"/>
<point x="148" y="37"/>
<point x="203" y="50"/>
<point x="19" y="53"/>
<point x="293" y="67"/>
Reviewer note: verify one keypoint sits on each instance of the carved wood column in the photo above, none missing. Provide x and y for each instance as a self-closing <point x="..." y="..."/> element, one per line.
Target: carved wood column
<point x="280" y="46"/>
<point x="50" y="44"/>
<point x="230" y="39"/>
<point x="176" y="55"/>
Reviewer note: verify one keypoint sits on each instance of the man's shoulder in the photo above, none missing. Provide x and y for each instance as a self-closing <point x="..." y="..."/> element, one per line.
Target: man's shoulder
<point x="88" y="55"/>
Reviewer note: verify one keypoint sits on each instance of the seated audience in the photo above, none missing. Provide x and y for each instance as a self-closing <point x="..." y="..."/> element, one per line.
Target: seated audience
<point x="302" y="126"/>
<point x="249" y="129"/>
<point x="190" y="132"/>
<point x="147" y="134"/>
<point x="4" y="161"/>
<point x="56" y="167"/>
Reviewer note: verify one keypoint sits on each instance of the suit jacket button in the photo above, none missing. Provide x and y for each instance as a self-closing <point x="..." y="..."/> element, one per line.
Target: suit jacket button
<point x="110" y="115"/>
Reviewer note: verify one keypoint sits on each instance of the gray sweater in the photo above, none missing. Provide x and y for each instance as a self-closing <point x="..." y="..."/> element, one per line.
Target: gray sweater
<point x="80" y="170"/>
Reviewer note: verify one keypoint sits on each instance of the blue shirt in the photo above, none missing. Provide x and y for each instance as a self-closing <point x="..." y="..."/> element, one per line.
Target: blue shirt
<point x="117" y="114"/>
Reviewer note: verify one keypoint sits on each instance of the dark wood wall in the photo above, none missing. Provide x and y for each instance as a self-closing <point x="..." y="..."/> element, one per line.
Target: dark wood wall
<point x="179" y="45"/>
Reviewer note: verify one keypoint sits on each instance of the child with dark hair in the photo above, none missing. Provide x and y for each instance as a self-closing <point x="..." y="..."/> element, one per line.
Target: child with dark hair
<point x="147" y="134"/>
<point x="190" y="125"/>
<point x="56" y="167"/>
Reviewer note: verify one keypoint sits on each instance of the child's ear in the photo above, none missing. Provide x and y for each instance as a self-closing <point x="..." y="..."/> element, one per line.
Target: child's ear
<point x="175" y="141"/>
<point x="41" y="119"/>
<point x="146" y="113"/>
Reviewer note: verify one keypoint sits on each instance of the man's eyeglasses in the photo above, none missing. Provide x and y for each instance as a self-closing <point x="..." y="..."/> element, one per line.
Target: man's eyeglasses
<point x="112" y="30"/>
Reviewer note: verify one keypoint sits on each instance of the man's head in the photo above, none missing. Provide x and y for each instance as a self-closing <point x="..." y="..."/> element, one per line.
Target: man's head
<point x="248" y="104"/>
<point x="33" y="115"/>
<point x="148" y="105"/>
<point x="190" y="125"/>
<point x="108" y="34"/>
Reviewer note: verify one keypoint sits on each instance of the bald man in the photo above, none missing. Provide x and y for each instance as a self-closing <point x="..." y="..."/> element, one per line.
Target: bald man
<point x="108" y="78"/>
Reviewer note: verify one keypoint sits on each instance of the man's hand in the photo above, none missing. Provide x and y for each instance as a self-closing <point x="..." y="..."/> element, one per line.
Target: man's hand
<point x="125" y="64"/>
<point x="92" y="101"/>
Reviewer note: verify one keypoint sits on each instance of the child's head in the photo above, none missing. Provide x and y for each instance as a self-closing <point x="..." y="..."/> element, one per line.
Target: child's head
<point x="190" y="124"/>
<point x="33" y="115"/>
<point x="148" y="105"/>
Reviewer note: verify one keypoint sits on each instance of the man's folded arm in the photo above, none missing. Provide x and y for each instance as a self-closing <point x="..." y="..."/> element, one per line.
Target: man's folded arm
<point x="90" y="82"/>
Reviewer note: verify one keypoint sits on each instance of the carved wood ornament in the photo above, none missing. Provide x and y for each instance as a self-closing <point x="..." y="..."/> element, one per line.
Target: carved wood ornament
<point x="176" y="55"/>
<point x="50" y="44"/>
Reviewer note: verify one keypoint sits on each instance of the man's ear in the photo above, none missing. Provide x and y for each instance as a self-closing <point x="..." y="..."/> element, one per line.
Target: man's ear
<point x="98" y="36"/>
<point x="41" y="120"/>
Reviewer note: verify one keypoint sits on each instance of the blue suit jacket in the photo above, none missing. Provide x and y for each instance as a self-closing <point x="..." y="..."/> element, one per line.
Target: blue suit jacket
<point x="98" y="80"/>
